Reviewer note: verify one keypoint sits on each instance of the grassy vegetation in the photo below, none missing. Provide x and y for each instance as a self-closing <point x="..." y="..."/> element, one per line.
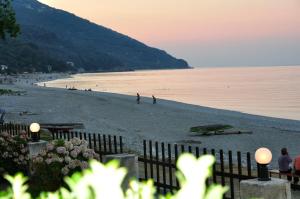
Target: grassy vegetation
<point x="9" y="92"/>
<point x="209" y="129"/>
<point x="46" y="135"/>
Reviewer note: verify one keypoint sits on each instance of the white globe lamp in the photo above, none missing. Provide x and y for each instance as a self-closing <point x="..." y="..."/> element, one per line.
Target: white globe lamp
<point x="35" y="129"/>
<point x="263" y="157"/>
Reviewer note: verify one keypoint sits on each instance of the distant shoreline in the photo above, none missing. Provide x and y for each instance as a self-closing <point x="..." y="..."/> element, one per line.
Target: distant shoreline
<point x="231" y="86"/>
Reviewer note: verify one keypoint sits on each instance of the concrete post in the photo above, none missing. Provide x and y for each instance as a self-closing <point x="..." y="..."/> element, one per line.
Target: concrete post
<point x="273" y="189"/>
<point x="130" y="162"/>
<point x="36" y="147"/>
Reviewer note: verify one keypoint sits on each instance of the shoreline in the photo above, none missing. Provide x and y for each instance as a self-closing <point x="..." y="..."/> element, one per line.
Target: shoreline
<point x="168" y="121"/>
<point x="247" y="108"/>
<point x="179" y="102"/>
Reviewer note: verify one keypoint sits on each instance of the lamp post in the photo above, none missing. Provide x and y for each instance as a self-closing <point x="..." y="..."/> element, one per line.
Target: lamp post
<point x="35" y="129"/>
<point x="263" y="157"/>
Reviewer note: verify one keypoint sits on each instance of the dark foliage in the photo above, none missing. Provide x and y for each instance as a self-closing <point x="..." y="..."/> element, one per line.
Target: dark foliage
<point x="55" y="37"/>
<point x="8" y="24"/>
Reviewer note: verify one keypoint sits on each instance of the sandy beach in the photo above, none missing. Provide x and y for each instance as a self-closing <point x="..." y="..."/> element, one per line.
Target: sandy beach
<point x="167" y="121"/>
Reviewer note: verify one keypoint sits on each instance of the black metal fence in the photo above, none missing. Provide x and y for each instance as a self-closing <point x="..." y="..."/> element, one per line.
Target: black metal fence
<point x="159" y="163"/>
<point x="14" y="129"/>
<point x="102" y="144"/>
<point x="158" y="160"/>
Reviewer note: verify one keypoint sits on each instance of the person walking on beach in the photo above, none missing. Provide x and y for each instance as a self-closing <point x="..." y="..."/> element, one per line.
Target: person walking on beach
<point x="154" y="99"/>
<point x="297" y="168"/>
<point x="138" y="98"/>
<point x="284" y="162"/>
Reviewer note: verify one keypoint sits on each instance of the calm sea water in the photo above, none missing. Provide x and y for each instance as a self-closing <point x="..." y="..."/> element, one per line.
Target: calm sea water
<point x="269" y="91"/>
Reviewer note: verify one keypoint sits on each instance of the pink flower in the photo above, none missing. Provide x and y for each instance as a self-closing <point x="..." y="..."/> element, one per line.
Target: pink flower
<point x="74" y="153"/>
<point x="48" y="161"/>
<point x="50" y="147"/>
<point x="24" y="135"/>
<point x="61" y="150"/>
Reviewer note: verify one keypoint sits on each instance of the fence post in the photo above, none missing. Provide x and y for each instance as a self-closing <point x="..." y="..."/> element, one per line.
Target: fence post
<point x="273" y="189"/>
<point x="130" y="162"/>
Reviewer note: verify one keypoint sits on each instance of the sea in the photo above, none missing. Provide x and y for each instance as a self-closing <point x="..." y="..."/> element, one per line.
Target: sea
<point x="267" y="91"/>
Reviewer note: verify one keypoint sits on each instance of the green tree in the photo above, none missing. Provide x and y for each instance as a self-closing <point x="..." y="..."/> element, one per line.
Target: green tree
<point x="8" y="22"/>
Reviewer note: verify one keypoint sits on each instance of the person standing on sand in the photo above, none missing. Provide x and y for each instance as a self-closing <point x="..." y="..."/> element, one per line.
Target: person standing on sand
<point x="284" y="162"/>
<point x="138" y="98"/>
<point x="297" y="168"/>
<point x="154" y="99"/>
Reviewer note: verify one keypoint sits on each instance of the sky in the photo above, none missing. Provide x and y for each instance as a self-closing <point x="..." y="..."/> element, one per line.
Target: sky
<point x="203" y="32"/>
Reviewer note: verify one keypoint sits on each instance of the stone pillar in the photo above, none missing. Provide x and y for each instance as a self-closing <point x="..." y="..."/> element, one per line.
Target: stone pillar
<point x="130" y="162"/>
<point x="273" y="189"/>
<point x="36" y="147"/>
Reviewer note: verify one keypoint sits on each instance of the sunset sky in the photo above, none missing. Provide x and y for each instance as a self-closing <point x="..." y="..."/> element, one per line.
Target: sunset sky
<point x="204" y="32"/>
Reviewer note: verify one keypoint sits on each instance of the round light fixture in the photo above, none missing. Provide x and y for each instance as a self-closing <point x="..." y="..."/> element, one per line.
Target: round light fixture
<point x="35" y="127"/>
<point x="263" y="156"/>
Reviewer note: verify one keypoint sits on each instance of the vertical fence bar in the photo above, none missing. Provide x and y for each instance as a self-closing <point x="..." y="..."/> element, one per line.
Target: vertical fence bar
<point x="100" y="146"/>
<point x="170" y="167"/>
<point x="164" y="168"/>
<point x="182" y="149"/>
<point x="115" y="144"/>
<point x="204" y="151"/>
<point x="104" y="143"/>
<point x="249" y="164"/>
<point x="121" y="144"/>
<point x="239" y="159"/>
<point x="72" y="134"/>
<point x="213" y="152"/>
<point x="90" y="140"/>
<point x="109" y="144"/>
<point x="190" y="149"/>
<point x="151" y="159"/>
<point x="95" y="142"/>
<point x="53" y="136"/>
<point x="84" y="136"/>
<point x="157" y="164"/>
<point x="145" y="159"/>
<point x="231" y="175"/>
<point x="28" y="131"/>
<point x="176" y="158"/>
<point x="197" y="152"/>
<point x="222" y="167"/>
<point x="68" y="136"/>
<point x="100" y="143"/>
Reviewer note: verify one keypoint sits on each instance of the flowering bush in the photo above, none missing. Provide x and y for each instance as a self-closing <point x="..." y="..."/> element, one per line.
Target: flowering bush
<point x="61" y="158"/>
<point x="14" y="154"/>
<point x="104" y="181"/>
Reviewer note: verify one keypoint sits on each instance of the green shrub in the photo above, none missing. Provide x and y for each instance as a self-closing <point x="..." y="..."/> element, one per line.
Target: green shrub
<point x="206" y="129"/>
<point x="9" y="92"/>
<point x="14" y="154"/>
<point x="104" y="181"/>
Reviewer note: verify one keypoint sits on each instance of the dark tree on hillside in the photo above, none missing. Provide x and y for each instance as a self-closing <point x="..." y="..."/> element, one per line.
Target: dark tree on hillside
<point x="8" y="23"/>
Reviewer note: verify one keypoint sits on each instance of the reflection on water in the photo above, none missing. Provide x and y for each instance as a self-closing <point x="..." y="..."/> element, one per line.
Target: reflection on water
<point x="270" y="91"/>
